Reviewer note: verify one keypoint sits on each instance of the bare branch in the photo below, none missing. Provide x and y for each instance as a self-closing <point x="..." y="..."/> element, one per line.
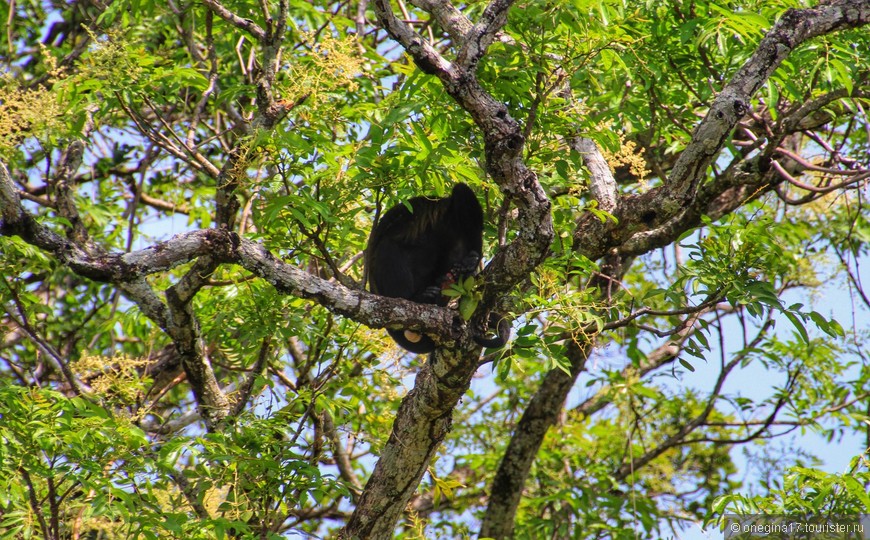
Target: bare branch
<point x="256" y="371"/>
<point x="342" y="459"/>
<point x="679" y="437"/>
<point x="53" y="356"/>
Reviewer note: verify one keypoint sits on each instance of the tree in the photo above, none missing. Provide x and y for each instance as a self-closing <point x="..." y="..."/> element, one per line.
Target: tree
<point x="187" y="190"/>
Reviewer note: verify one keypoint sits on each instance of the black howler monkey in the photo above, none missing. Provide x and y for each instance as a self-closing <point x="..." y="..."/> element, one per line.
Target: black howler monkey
<point x="415" y="254"/>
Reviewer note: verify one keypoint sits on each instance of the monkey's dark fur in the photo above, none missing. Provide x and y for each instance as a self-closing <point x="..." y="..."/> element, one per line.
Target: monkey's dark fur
<point x="416" y="254"/>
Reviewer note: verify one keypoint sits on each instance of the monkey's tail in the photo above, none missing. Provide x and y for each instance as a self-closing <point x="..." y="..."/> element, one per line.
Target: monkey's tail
<point x="503" y="332"/>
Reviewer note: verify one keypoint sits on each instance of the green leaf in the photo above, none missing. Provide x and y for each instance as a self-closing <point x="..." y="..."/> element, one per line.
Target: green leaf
<point x="799" y="326"/>
<point x="467" y="306"/>
<point x="687" y="365"/>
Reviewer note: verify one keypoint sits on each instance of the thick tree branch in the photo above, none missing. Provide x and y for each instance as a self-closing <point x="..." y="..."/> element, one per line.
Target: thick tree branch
<point x="183" y="327"/>
<point x="130" y="269"/>
<point x="540" y="414"/>
<point x="422" y="422"/>
<point x="425" y="56"/>
<point x="453" y="21"/>
<point x="715" y="199"/>
<point x="480" y="37"/>
<point x="654" y="209"/>
<point x="792" y="29"/>
<point x="426" y="412"/>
